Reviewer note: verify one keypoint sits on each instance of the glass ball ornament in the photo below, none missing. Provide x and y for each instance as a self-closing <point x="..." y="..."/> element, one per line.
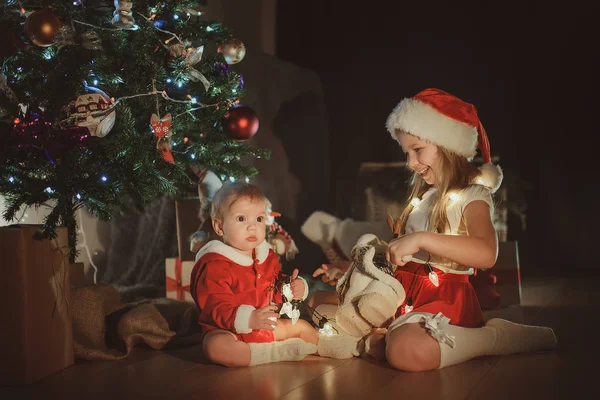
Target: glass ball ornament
<point x="41" y="27"/>
<point x="233" y="50"/>
<point x="240" y="123"/>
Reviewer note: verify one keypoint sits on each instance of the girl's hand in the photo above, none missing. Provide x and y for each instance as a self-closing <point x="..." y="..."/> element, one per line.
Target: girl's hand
<point x="400" y="250"/>
<point x="330" y="273"/>
<point x="264" y="318"/>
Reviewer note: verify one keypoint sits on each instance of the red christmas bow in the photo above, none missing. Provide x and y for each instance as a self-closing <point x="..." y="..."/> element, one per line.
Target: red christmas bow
<point x="162" y="130"/>
<point x="177" y="284"/>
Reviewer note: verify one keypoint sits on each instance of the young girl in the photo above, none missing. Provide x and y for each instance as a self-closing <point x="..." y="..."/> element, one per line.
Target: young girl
<point x="234" y="286"/>
<point x="446" y="230"/>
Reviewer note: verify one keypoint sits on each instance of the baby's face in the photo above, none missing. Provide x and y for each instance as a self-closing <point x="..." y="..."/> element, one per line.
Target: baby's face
<point x="244" y="225"/>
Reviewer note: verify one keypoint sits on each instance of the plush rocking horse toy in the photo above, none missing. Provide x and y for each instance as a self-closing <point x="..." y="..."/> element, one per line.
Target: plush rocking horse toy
<point x="368" y="293"/>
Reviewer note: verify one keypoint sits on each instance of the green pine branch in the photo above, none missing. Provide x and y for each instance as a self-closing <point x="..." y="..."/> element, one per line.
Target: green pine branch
<point x="44" y="160"/>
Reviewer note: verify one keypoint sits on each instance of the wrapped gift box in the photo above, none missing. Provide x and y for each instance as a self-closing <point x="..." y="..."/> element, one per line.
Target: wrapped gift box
<point x="35" y="318"/>
<point x="178" y="274"/>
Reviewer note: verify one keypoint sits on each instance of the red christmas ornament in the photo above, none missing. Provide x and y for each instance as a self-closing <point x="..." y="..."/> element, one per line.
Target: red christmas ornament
<point x="241" y="123"/>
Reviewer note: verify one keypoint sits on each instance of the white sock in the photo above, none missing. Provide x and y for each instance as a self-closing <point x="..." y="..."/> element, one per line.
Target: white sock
<point x="497" y="337"/>
<point x="375" y="344"/>
<point x="294" y="349"/>
<point x="340" y="346"/>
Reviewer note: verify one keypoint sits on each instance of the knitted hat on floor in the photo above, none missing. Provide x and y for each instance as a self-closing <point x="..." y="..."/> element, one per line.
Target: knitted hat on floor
<point x="449" y="122"/>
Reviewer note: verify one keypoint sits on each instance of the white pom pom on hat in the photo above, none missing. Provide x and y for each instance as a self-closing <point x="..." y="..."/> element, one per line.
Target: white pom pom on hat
<point x="447" y="121"/>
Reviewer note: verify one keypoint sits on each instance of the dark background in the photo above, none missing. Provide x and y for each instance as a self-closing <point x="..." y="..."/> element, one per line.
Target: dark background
<point x="529" y="68"/>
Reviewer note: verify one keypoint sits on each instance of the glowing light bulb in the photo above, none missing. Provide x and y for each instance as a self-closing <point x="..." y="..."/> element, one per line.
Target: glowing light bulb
<point x="104" y="178"/>
<point x="78" y="196"/>
<point x="408" y="307"/>
<point x="432" y="275"/>
<point x="327" y="329"/>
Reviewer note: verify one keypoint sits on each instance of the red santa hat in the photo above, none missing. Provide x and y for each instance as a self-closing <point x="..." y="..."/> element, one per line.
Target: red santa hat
<point x="447" y="121"/>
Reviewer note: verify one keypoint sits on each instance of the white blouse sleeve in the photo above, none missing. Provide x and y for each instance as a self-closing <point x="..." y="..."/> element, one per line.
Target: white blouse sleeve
<point x="477" y="192"/>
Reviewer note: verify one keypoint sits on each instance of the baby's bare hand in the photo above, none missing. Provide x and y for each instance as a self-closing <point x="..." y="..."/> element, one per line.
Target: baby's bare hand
<point x="297" y="285"/>
<point x="264" y="318"/>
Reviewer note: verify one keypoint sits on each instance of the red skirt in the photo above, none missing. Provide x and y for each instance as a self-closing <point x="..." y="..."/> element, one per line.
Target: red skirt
<point x="454" y="297"/>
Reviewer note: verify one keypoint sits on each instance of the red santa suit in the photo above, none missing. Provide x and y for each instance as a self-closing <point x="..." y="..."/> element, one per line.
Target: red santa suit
<point x="228" y="285"/>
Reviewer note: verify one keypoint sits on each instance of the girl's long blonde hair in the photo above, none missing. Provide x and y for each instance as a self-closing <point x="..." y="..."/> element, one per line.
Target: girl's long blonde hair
<point x="452" y="173"/>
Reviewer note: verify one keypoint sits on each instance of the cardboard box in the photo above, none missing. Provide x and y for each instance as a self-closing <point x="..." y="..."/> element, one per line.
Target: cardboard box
<point x="77" y="275"/>
<point x="178" y="275"/>
<point x="508" y="274"/>
<point x="186" y="214"/>
<point x="35" y="319"/>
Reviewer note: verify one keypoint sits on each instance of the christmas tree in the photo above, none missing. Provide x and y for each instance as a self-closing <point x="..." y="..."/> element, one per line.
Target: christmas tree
<point x="105" y="104"/>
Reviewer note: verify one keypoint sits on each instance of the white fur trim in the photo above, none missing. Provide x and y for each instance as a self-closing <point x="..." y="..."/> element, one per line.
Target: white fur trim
<point x="491" y="176"/>
<point x="320" y="228"/>
<point x="305" y="294"/>
<point x="242" y="319"/>
<point x="216" y="246"/>
<point x="423" y="121"/>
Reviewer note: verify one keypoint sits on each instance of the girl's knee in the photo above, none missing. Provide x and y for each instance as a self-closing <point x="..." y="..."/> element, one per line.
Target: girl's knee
<point x="312" y="300"/>
<point x="322" y="297"/>
<point x="412" y="351"/>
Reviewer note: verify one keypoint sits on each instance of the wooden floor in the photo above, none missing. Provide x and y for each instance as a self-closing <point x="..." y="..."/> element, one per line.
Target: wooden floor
<point x="571" y="307"/>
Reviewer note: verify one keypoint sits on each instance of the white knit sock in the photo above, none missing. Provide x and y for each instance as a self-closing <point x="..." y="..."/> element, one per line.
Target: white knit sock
<point x="375" y="344"/>
<point x="294" y="349"/>
<point x="497" y="337"/>
<point x="340" y="346"/>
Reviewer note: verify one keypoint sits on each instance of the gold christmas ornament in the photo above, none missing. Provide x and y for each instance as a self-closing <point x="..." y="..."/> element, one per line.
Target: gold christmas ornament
<point x="233" y="50"/>
<point x="41" y="27"/>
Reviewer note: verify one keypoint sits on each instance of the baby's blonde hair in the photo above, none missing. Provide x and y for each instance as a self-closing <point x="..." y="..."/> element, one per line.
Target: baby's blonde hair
<point x="229" y="193"/>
